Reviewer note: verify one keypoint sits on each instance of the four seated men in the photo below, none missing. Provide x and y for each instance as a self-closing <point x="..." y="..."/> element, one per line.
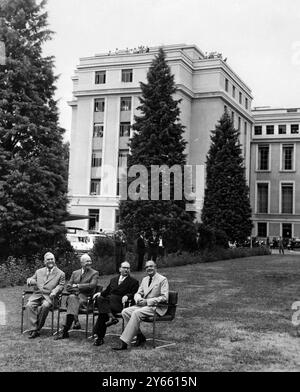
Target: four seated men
<point x="49" y="282"/>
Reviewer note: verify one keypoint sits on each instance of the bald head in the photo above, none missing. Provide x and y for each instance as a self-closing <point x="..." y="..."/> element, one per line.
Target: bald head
<point x="85" y="261"/>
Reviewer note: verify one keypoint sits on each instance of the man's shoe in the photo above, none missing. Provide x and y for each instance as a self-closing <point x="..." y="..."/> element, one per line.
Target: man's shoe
<point x="77" y="325"/>
<point x="140" y="340"/>
<point x="33" y="335"/>
<point x="111" y="321"/>
<point x="122" y="347"/>
<point x="64" y="335"/>
<point x="98" y="342"/>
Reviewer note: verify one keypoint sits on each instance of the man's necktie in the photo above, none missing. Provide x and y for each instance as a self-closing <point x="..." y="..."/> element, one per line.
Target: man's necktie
<point x="150" y="280"/>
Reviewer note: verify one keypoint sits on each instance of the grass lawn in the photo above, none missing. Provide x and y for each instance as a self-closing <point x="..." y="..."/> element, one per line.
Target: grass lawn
<point x="233" y="315"/>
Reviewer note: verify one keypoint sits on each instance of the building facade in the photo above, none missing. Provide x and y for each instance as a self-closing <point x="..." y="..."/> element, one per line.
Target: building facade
<point x="105" y="99"/>
<point x="275" y="172"/>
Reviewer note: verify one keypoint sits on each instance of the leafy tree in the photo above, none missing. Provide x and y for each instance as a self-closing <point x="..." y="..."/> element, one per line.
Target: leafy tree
<point x="32" y="169"/>
<point x="226" y="199"/>
<point x="158" y="140"/>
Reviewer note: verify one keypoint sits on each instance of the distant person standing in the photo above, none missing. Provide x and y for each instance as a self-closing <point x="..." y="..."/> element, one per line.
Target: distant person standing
<point x="280" y="245"/>
<point x="120" y="248"/>
<point x="153" y="244"/>
<point x="141" y="249"/>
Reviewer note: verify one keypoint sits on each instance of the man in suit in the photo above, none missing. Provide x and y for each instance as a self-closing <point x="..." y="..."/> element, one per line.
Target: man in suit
<point x="141" y="248"/>
<point x="48" y="282"/>
<point x="82" y="284"/>
<point x="153" y="244"/>
<point x="120" y="290"/>
<point x="154" y="290"/>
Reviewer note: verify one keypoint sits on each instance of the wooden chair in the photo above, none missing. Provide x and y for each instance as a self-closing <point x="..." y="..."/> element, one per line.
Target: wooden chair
<point x="169" y="316"/>
<point x="55" y="306"/>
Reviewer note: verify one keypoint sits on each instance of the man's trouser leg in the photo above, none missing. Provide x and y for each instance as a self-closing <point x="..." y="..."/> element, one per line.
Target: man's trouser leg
<point x="72" y="310"/>
<point x="43" y="314"/>
<point x="140" y="261"/>
<point x="100" y="326"/>
<point x="132" y="318"/>
<point x="32" y="305"/>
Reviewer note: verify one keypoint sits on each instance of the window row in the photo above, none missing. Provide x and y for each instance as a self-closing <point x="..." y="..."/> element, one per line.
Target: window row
<point x="124" y="130"/>
<point x="126" y="76"/>
<point x="286" y="230"/>
<point x="97" y="158"/>
<point x="94" y="218"/>
<point x="234" y="94"/>
<point x="286" y="196"/>
<point x="125" y="104"/>
<point x="287" y="154"/>
<point x="281" y="129"/>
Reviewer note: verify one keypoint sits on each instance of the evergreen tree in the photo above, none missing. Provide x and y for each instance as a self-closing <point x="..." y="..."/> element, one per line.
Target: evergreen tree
<point x="158" y="140"/>
<point x="226" y="199"/>
<point x="33" y="172"/>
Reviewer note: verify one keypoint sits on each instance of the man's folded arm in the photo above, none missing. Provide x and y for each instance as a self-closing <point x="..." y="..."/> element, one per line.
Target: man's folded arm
<point x="91" y="285"/>
<point x="164" y="294"/>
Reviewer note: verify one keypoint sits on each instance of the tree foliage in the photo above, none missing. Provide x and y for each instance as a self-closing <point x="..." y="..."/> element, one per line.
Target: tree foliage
<point x="158" y="140"/>
<point x="226" y="199"/>
<point x="33" y="173"/>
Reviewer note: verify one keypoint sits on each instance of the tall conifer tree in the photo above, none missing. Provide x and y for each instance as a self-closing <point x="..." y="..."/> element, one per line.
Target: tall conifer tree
<point x="33" y="173"/>
<point x="226" y="200"/>
<point x="158" y="140"/>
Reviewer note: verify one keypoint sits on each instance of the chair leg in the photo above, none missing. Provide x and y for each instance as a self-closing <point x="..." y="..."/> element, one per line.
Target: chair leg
<point x="86" y="324"/>
<point x="52" y="319"/>
<point x="22" y="315"/>
<point x="58" y="319"/>
<point x="154" y="331"/>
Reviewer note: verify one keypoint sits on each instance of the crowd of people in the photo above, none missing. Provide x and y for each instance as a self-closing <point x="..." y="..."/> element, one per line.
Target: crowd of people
<point x="144" y="299"/>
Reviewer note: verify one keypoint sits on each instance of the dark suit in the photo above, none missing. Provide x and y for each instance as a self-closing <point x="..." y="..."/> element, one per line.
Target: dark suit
<point x="153" y="244"/>
<point x="141" y="248"/>
<point x="87" y="284"/>
<point x="110" y="301"/>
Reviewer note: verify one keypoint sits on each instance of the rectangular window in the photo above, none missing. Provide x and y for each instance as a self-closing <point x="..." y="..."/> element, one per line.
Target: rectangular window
<point x="225" y="108"/>
<point x="262" y="198"/>
<point x="94" y="219"/>
<point x="233" y="91"/>
<point x="246" y="103"/>
<point x="262" y="229"/>
<point x="96" y="158"/>
<point x="226" y="84"/>
<point x="287" y="157"/>
<point x="282" y="129"/>
<point x="240" y="98"/>
<point x="263" y="158"/>
<point x="123" y="158"/>
<point x="232" y="117"/>
<point x="98" y="130"/>
<point x="125" y="104"/>
<point x="294" y="128"/>
<point x="127" y="75"/>
<point x="99" y="105"/>
<point x="95" y="186"/>
<point x="287" y="198"/>
<point x="258" y="130"/>
<point x="270" y="129"/>
<point x="239" y="124"/>
<point x="286" y="230"/>
<point x="125" y="129"/>
<point x="100" y="77"/>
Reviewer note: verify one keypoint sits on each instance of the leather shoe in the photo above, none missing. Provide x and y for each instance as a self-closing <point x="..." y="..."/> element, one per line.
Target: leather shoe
<point x="77" y="325"/>
<point x="64" y="335"/>
<point x="33" y="335"/>
<point x="122" y="347"/>
<point x="98" y="342"/>
<point x="111" y="321"/>
<point x="140" y="340"/>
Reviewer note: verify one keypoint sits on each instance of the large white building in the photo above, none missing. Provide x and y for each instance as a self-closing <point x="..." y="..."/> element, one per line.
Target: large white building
<point x="275" y="172"/>
<point x="105" y="98"/>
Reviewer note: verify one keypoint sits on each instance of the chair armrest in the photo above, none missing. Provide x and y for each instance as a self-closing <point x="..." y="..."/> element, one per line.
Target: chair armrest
<point x="27" y="292"/>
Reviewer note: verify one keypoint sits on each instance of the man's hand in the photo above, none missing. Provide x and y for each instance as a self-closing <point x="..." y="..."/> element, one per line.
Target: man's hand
<point x="74" y="285"/>
<point x="96" y="295"/>
<point x="28" y="282"/>
<point x="124" y="299"/>
<point x="142" y="302"/>
<point x="52" y="295"/>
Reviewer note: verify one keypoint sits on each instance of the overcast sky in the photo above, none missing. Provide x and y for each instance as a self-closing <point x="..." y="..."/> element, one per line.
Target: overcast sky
<point x="260" y="38"/>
